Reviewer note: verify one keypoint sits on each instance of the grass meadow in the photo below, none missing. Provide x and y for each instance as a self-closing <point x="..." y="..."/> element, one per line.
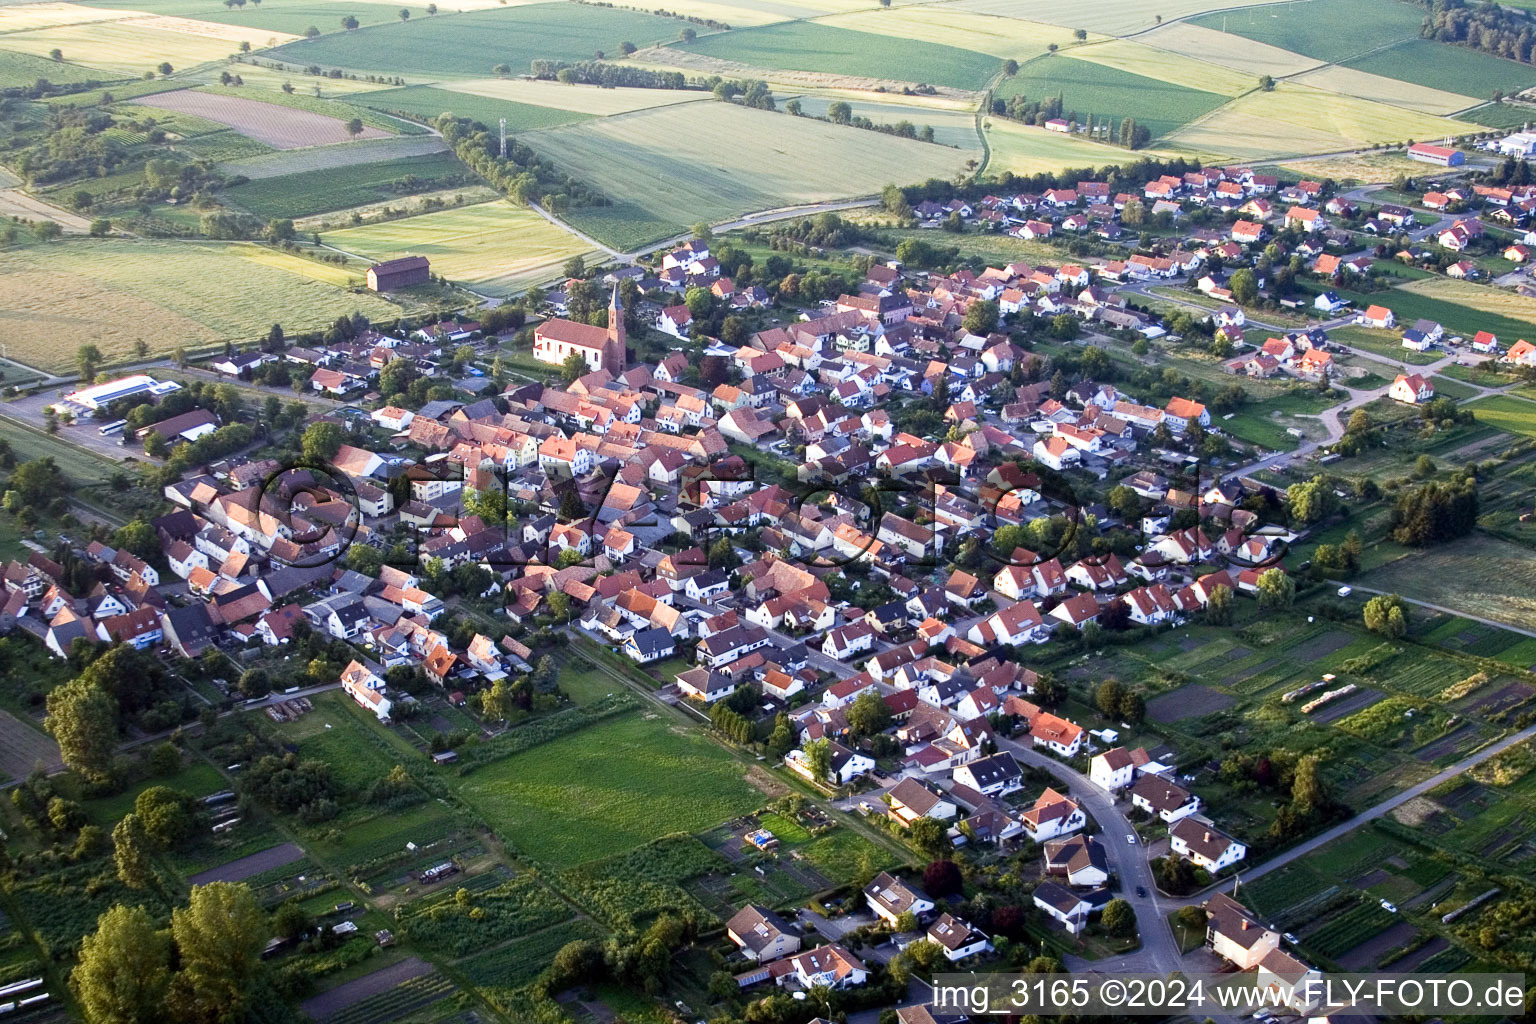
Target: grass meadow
<point x="1329" y="30"/>
<point x="1001" y="37"/>
<point x="116" y="292"/>
<point x="678" y="165"/>
<point x="810" y="46"/>
<point x="312" y="192"/>
<point x="1452" y="68"/>
<point x="1493" y="578"/>
<point x="608" y="789"/>
<point x="474" y="43"/>
<point x="1104" y="91"/>
<point x="583" y="99"/>
<point x="494" y="246"/>
<point x="1508" y="413"/>
<point x="1025" y="149"/>
<point x="22" y="69"/>
<point x="424" y="102"/>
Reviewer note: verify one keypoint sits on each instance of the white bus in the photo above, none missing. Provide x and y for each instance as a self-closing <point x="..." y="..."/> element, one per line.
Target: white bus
<point x="115" y="427"/>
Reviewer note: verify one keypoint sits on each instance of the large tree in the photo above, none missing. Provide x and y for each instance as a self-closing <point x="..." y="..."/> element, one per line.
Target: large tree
<point x="82" y="717"/>
<point x="1312" y="501"/>
<point x="219" y="936"/>
<point x="868" y="714"/>
<point x="124" y="969"/>
<point x="130" y="850"/>
<point x="322" y="440"/>
<point x="1276" y="589"/>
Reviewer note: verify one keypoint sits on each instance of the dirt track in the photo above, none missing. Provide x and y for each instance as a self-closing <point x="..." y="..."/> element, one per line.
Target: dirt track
<point x="16" y="203"/>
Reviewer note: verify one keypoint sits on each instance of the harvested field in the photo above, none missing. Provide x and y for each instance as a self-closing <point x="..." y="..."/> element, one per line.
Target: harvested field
<point x="22" y="747"/>
<point x="287" y="20"/>
<point x="1493" y="578"/>
<point x="116" y="292"/>
<point x="342" y="996"/>
<point x="1165" y="66"/>
<point x="273" y="165"/>
<point x="1380" y="89"/>
<point x="1235" y="52"/>
<point x="1112" y="17"/>
<point x="583" y="99"/>
<point x="1364" y="956"/>
<point x="984" y="33"/>
<point x="249" y="867"/>
<point x="122" y="47"/>
<point x="1191" y="701"/>
<point x="268" y="123"/>
<point x="22" y="17"/>
<point x="1342" y="707"/>
<point x="493" y="246"/>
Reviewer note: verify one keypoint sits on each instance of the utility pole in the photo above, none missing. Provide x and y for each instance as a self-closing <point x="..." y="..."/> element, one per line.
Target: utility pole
<point x="503" y="138"/>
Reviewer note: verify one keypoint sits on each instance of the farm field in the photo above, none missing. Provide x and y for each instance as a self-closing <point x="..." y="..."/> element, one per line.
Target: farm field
<point x="1024" y="149"/>
<point x="1165" y="66"/>
<point x="473" y="43"/>
<point x="311" y="192"/>
<point x="1380" y="89"/>
<point x="18" y="69"/>
<point x="1227" y="50"/>
<point x="609" y="788"/>
<point x="126" y="48"/>
<point x="1001" y="37"/>
<point x="1516" y="313"/>
<point x="1483" y="575"/>
<point x="275" y="165"/>
<point x="950" y="127"/>
<point x="1453" y="68"/>
<point x="115" y="292"/>
<point x="811" y="46"/>
<point x="290" y="18"/>
<point x="680" y="165"/>
<point x="1112" y="17"/>
<point x="1104" y="91"/>
<point x="425" y="102"/>
<point x="1329" y="30"/>
<point x="1508" y="413"/>
<point x="1297" y="120"/>
<point x="1498" y="115"/>
<point x="583" y="99"/>
<point x="280" y="127"/>
<point x="494" y="246"/>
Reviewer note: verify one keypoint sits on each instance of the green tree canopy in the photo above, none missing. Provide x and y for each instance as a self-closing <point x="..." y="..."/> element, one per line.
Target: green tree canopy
<point x="123" y="973"/>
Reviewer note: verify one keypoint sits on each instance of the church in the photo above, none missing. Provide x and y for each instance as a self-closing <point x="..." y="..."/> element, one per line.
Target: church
<point x="602" y="348"/>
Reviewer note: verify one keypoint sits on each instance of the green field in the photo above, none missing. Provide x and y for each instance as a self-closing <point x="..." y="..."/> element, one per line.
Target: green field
<point x="1108" y="92"/>
<point x="1498" y="115"/>
<point x="804" y="46"/>
<point x="116" y="292"/>
<point x="608" y="789"/>
<point x="1331" y="30"/>
<point x="311" y="192"/>
<point x="677" y="165"/>
<point x="1442" y="66"/>
<point x="425" y="102"/>
<point x="950" y="127"/>
<point x="1480" y="575"/>
<point x="19" y="69"/>
<point x="474" y="43"/>
<point x="287" y="16"/>
<point x="1508" y="413"/>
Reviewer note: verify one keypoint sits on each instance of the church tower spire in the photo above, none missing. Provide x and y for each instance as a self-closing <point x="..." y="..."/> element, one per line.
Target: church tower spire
<point x="616" y="357"/>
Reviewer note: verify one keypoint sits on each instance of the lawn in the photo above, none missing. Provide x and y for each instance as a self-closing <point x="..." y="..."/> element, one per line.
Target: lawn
<point x="116" y="292"/>
<point x="1295" y="120"/>
<point x="474" y="43"/>
<point x="1452" y="68"/>
<point x="494" y="246"/>
<point x="1384" y="343"/>
<point x="1508" y="413"/>
<point x="678" y="165"/>
<point x="23" y="69"/>
<point x="1103" y="91"/>
<point x="311" y="192"/>
<point x="196" y="779"/>
<point x="1329" y="30"/>
<point x="1265" y="423"/>
<point x="608" y="789"/>
<point x="808" y="46"/>
<point x="425" y="103"/>
<point x="1478" y="575"/>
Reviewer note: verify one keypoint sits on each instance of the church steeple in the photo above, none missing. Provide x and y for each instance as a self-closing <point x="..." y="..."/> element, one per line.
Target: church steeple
<point x="616" y="358"/>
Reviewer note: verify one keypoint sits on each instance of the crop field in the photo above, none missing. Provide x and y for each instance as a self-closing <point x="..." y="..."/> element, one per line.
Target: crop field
<point x="25" y="68"/>
<point x="341" y="108"/>
<point x="325" y="273"/>
<point x="22" y="17"/>
<point x="125" y="48"/>
<point x="115" y="292"/>
<point x="609" y="788"/>
<point x="1166" y="66"/>
<point x="274" y="165"/>
<point x="1227" y="50"/>
<point x="1453" y="68"/>
<point x="984" y="33"/>
<point x="1024" y="149"/>
<point x="1513" y="313"/>
<point x="495" y="246"/>
<point x="1295" y="120"/>
<point x="1508" y="413"/>
<point x="474" y="43"/>
<point x="810" y="46"/>
<point x="955" y="128"/>
<point x="583" y="99"/>
<point x="1414" y="95"/>
<point x="1112" y="17"/>
<point x="680" y="165"/>
<point x="311" y="192"/>
<point x="1482" y="575"/>
<point x="1498" y="115"/>
<point x="1105" y="91"/>
<point x="426" y="103"/>
<point x="277" y="126"/>
<point x="1330" y="30"/>
<point x="289" y="18"/>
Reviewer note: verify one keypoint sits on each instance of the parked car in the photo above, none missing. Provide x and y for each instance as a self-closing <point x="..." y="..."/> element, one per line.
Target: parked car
<point x="1141" y="891"/>
<point x="1131" y="839"/>
<point x="1389" y="908"/>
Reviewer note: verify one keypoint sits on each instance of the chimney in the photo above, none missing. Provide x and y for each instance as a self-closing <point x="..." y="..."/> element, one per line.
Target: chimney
<point x="1245" y="924"/>
<point x="1207" y="837"/>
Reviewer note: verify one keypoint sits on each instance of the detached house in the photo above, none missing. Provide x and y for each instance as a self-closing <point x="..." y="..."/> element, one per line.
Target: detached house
<point x="1163" y="799"/>
<point x="1204" y="844"/>
<point x="761" y="934"/>
<point x="889" y="897"/>
<point x="1052" y="815"/>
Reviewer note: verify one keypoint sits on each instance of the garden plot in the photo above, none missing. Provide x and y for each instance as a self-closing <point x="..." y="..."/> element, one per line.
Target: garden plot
<point x="1193" y="701"/>
<point x="22" y="746"/>
<point x="277" y="126"/>
<point x="1461" y="741"/>
<point x="1364" y="956"/>
<point x="251" y="866"/>
<point x="327" y="1005"/>
<point x="1349" y="704"/>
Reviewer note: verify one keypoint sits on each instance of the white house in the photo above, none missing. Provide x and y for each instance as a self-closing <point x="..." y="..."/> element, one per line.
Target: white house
<point x="1204" y="844"/>
<point x="957" y="938"/>
<point x="889" y="897"/>
<point x="1063" y="905"/>
<point x="1112" y="770"/>
<point x="992" y="776"/>
<point x="1411" y="388"/>
<point x="365" y="687"/>
<point x="1053" y="815"/>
